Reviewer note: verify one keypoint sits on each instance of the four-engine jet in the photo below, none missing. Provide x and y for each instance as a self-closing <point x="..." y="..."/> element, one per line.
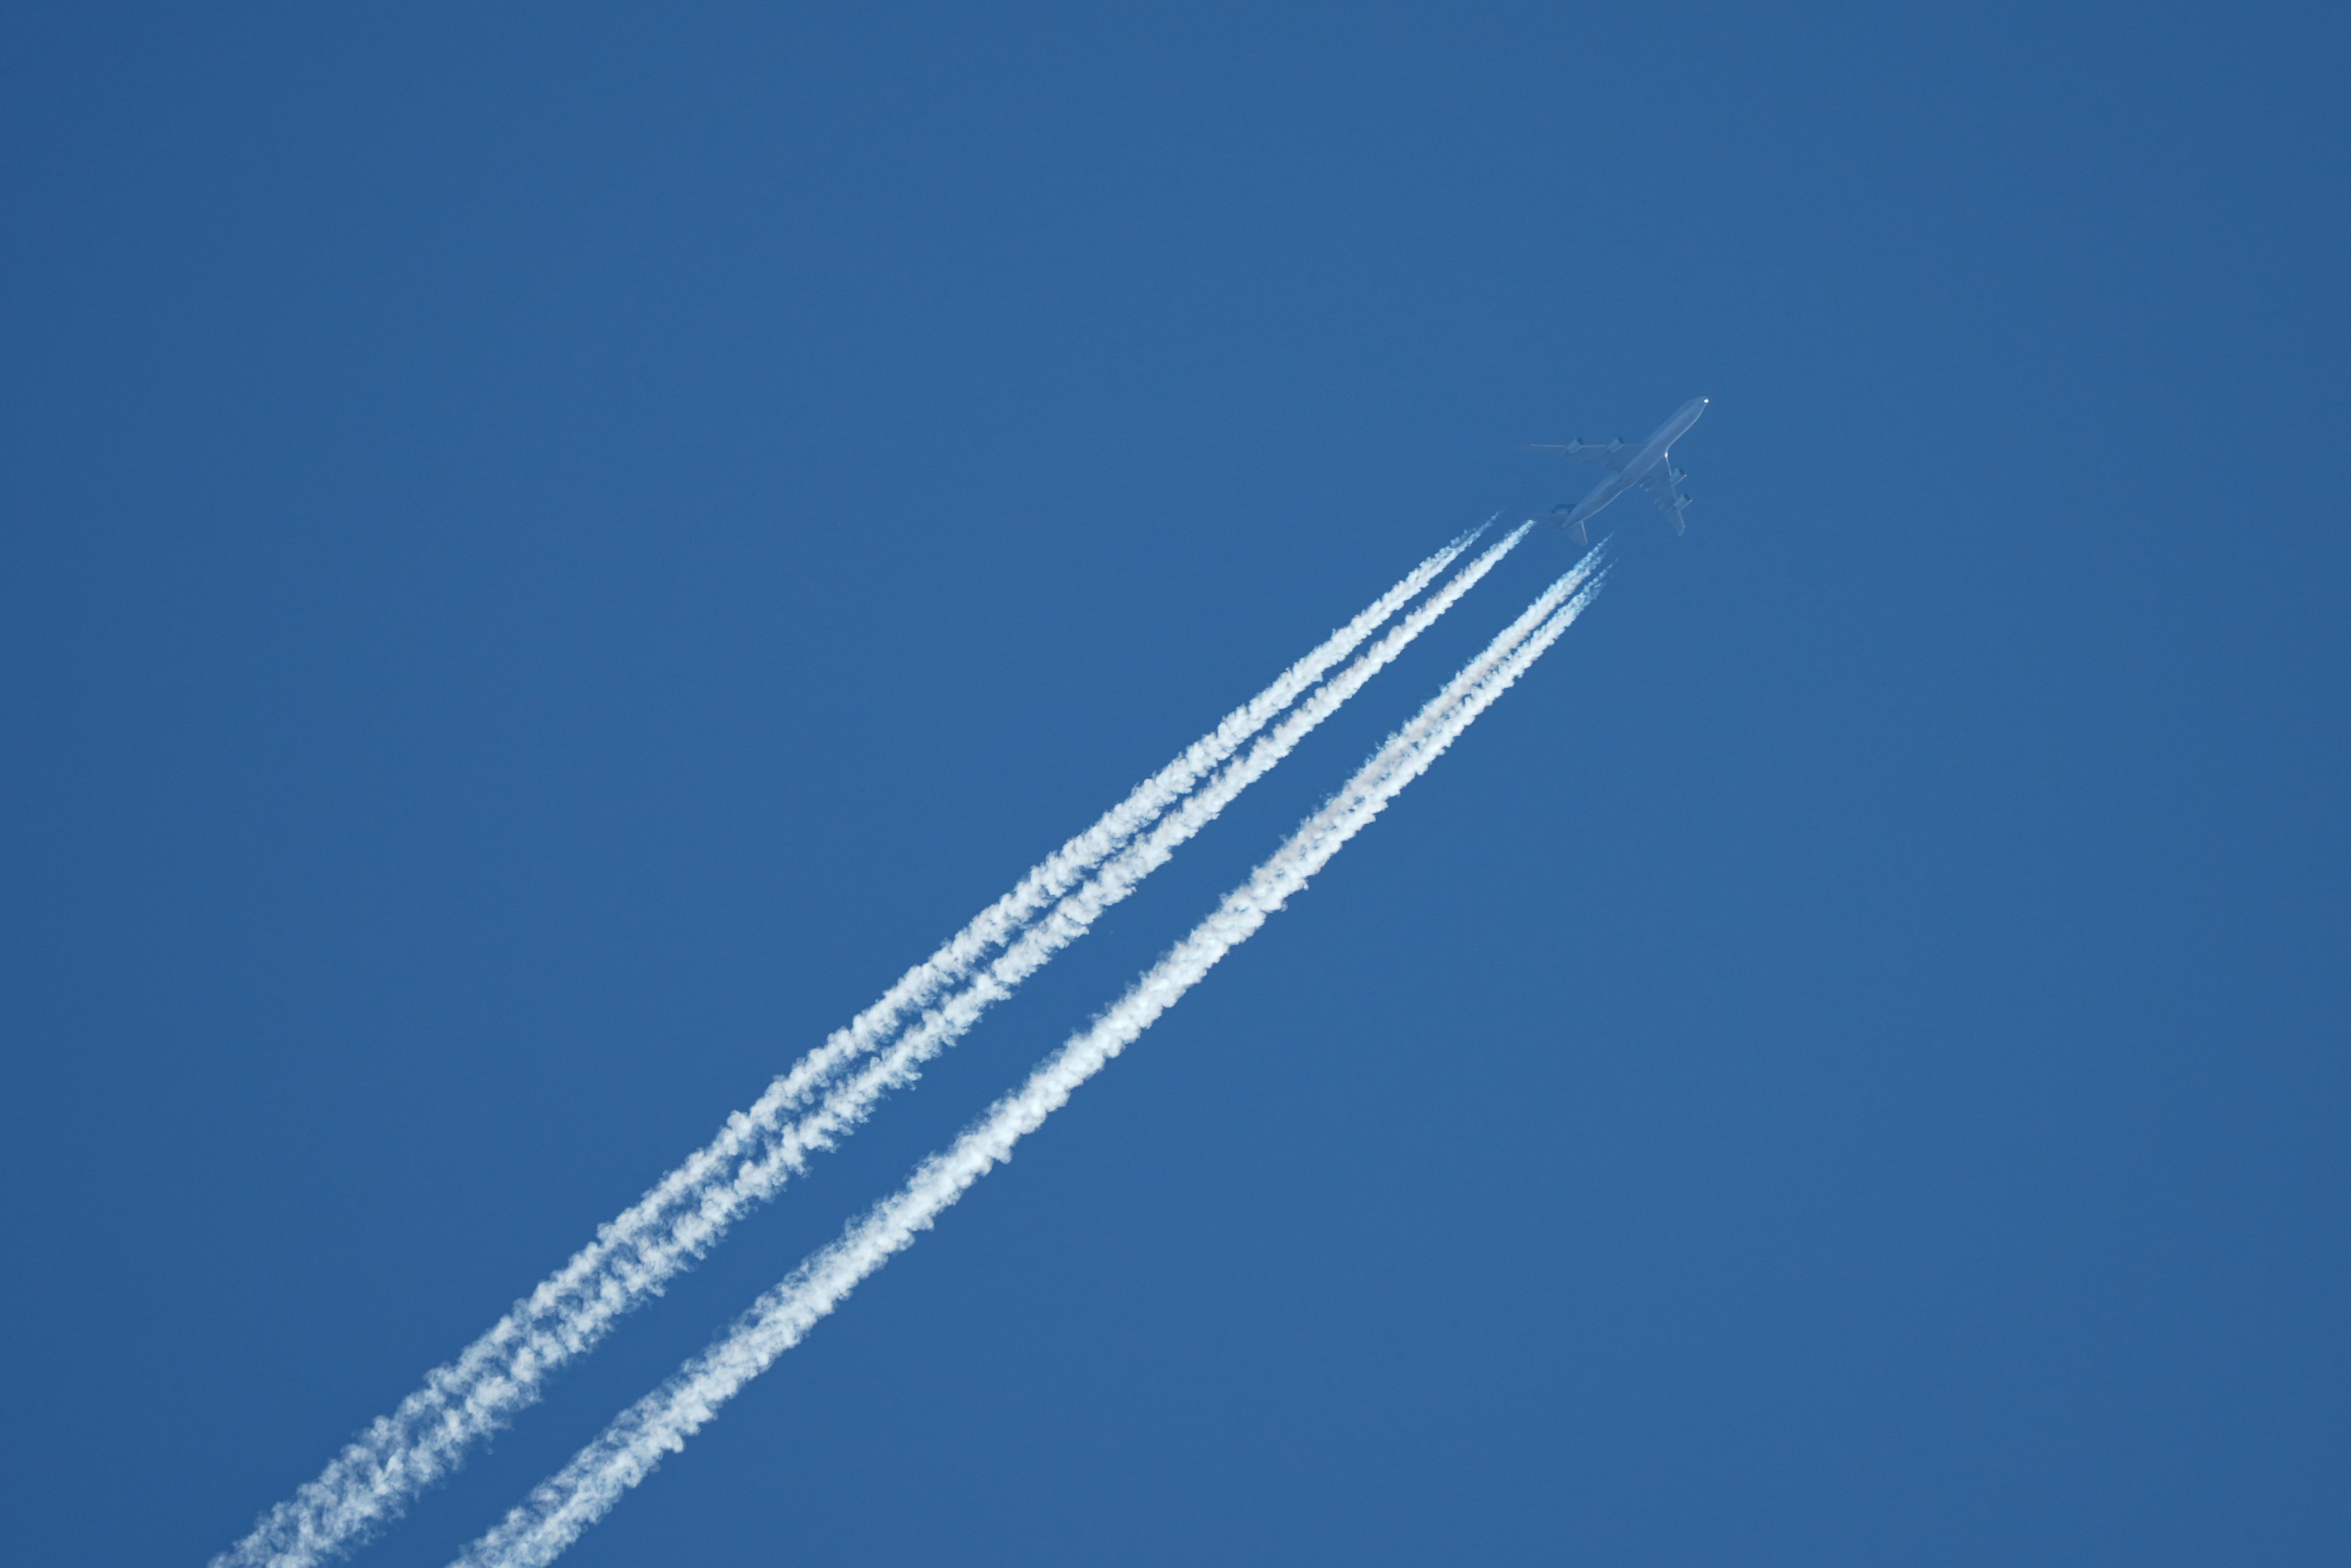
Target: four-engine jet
<point x="1647" y="465"/>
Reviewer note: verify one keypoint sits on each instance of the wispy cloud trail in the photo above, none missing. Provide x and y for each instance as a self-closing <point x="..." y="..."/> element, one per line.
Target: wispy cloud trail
<point x="560" y="1509"/>
<point x="428" y="1435"/>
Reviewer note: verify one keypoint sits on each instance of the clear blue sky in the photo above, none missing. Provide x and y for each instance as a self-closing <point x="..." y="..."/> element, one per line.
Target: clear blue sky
<point x="550" y="552"/>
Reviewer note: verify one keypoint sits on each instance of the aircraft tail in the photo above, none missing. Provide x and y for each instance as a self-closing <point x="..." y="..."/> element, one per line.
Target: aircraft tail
<point x="1563" y="519"/>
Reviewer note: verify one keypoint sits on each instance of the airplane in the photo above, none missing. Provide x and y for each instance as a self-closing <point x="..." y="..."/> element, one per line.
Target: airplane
<point x="1647" y="465"/>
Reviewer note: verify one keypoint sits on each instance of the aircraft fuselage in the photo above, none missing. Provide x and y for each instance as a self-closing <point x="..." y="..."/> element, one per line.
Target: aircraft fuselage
<point x="1652" y="453"/>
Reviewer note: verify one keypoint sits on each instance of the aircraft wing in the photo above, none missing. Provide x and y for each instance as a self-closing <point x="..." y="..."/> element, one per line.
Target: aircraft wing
<point x="1609" y="456"/>
<point x="1659" y="483"/>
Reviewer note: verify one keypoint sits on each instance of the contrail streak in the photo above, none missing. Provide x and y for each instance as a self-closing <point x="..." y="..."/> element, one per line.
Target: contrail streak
<point x="848" y="1100"/>
<point x="560" y="1509"/>
<point x="425" y="1438"/>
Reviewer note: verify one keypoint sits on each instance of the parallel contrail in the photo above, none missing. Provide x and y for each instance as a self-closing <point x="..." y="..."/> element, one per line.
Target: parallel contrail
<point x="784" y="1150"/>
<point x="849" y="1099"/>
<point x="560" y="1509"/>
<point x="425" y="1438"/>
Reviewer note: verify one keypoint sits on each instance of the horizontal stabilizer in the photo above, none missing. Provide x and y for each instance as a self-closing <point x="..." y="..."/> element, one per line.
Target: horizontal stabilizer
<point x="1565" y="519"/>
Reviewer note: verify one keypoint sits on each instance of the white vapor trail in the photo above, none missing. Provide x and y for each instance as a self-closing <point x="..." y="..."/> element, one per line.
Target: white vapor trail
<point x="425" y="1438"/>
<point x="848" y="1100"/>
<point x="561" y="1508"/>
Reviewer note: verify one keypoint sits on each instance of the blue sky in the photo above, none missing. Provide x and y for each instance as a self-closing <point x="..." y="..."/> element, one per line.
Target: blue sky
<point x="553" y="552"/>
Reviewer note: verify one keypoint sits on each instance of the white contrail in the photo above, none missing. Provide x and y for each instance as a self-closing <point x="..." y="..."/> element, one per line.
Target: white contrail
<point x="424" y="1439"/>
<point x="693" y="1226"/>
<point x="585" y="1489"/>
<point x="848" y="1099"/>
